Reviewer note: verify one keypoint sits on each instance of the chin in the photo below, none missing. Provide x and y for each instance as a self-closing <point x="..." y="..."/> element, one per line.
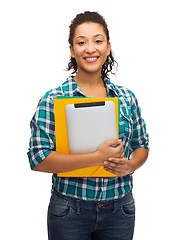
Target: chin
<point x="91" y="70"/>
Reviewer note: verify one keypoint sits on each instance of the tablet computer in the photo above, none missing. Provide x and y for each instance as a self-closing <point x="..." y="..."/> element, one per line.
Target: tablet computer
<point x="89" y="125"/>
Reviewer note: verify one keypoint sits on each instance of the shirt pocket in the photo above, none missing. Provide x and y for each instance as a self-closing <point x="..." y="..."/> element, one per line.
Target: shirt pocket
<point x="125" y="128"/>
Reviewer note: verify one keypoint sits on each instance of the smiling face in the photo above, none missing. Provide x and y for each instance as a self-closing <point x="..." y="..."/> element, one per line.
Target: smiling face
<point x="90" y="47"/>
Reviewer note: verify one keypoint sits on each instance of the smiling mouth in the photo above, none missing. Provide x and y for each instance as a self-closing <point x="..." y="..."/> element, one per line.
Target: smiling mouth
<point x="91" y="59"/>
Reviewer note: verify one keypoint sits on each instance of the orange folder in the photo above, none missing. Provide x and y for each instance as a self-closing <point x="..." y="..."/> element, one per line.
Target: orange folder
<point x="62" y="143"/>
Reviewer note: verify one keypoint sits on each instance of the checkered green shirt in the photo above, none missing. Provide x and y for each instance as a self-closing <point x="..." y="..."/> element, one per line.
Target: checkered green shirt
<point x="132" y="131"/>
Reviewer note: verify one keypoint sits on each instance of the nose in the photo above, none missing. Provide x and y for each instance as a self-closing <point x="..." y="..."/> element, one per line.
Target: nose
<point x="90" y="48"/>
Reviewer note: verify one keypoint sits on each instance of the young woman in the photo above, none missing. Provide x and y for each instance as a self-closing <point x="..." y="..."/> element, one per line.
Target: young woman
<point x="90" y="208"/>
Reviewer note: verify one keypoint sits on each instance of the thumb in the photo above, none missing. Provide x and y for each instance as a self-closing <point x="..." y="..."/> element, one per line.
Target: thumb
<point x="113" y="142"/>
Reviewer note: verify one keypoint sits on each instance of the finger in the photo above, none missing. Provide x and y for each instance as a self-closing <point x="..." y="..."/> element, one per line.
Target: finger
<point x="113" y="142"/>
<point x="116" y="160"/>
<point x="122" y="155"/>
<point x="109" y="164"/>
<point x="115" y="169"/>
<point x="113" y="165"/>
<point x="120" y="144"/>
<point x="116" y="172"/>
<point x="119" y="148"/>
<point x="112" y="171"/>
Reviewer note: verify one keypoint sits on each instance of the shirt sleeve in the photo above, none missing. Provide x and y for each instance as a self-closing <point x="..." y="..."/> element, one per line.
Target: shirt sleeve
<point x="140" y="138"/>
<point x="42" y="140"/>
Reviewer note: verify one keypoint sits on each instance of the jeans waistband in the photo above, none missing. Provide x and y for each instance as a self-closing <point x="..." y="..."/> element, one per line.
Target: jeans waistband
<point x="95" y="205"/>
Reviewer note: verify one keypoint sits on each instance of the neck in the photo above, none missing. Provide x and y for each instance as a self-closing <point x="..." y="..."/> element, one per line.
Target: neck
<point x="91" y="80"/>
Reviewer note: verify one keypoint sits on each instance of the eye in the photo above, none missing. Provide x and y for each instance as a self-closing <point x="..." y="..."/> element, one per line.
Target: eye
<point x="98" y="41"/>
<point x="81" y="43"/>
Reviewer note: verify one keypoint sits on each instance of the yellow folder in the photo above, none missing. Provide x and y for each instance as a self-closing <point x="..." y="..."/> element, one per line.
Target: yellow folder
<point x="62" y="143"/>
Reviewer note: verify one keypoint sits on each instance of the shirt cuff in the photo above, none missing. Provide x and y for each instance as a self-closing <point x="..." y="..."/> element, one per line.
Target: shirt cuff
<point x="38" y="157"/>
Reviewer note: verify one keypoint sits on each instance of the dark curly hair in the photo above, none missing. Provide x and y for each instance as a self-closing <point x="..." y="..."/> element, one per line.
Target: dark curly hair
<point x="96" y="18"/>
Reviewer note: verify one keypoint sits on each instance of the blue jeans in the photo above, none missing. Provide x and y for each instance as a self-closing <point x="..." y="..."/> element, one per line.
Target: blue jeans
<point x="74" y="219"/>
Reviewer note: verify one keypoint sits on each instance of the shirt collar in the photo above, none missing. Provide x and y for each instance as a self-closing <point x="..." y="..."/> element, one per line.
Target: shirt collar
<point x="74" y="89"/>
<point x="111" y="88"/>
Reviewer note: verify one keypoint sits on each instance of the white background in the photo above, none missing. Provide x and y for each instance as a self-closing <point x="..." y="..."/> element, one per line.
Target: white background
<point x="148" y="41"/>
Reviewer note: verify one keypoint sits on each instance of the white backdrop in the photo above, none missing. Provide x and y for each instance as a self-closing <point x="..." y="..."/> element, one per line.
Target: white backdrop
<point x="147" y="39"/>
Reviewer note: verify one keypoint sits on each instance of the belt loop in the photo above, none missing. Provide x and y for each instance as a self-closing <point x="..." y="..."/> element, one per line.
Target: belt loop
<point x="78" y="206"/>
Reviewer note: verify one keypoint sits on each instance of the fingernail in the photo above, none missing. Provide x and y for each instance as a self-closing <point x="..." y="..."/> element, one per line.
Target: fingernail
<point x="110" y="159"/>
<point x="119" y="140"/>
<point x="105" y="163"/>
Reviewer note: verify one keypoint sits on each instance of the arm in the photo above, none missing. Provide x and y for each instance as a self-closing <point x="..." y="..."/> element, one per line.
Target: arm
<point x="139" y="157"/>
<point x="57" y="162"/>
<point x="42" y="155"/>
<point x="138" y="145"/>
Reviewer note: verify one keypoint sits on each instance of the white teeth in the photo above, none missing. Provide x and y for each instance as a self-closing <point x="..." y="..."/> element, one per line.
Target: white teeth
<point x="91" y="59"/>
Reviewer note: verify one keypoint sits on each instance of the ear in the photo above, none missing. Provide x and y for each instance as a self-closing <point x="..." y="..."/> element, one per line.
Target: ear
<point x="108" y="48"/>
<point x="72" y="51"/>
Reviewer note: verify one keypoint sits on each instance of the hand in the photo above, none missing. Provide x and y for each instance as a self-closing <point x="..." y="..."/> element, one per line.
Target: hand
<point x="106" y="151"/>
<point x="118" y="166"/>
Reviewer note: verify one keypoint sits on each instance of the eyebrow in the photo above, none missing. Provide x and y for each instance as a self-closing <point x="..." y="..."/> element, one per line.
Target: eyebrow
<point x="96" y="35"/>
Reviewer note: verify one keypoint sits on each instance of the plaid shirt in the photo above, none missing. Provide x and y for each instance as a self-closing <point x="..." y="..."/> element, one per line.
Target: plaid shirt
<point x="132" y="131"/>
